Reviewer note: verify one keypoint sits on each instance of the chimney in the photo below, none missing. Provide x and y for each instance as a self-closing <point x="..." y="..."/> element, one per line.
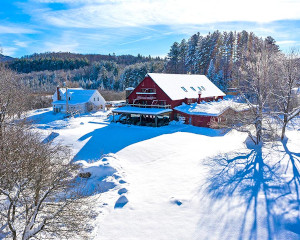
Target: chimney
<point x="199" y="96"/>
<point x="57" y="93"/>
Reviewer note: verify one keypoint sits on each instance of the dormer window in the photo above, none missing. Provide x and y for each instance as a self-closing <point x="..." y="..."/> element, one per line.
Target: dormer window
<point x="193" y="89"/>
<point x="183" y="88"/>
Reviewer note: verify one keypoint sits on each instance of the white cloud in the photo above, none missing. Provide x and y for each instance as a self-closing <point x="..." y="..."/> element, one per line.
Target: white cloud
<point x="65" y="43"/>
<point x="21" y="43"/>
<point x="136" y="40"/>
<point x="286" y="42"/>
<point x="15" y="30"/>
<point x="121" y="13"/>
<point x="75" y="1"/>
<point x="60" y="47"/>
<point x="9" y="51"/>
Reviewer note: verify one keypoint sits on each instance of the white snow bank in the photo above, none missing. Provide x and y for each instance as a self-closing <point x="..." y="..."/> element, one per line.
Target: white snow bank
<point x="105" y="174"/>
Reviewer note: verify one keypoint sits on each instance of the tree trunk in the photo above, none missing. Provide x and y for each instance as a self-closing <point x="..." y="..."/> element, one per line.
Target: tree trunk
<point x="283" y="130"/>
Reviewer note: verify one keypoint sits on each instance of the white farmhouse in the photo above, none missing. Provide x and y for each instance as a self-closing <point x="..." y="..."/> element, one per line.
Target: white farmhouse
<point x="77" y="100"/>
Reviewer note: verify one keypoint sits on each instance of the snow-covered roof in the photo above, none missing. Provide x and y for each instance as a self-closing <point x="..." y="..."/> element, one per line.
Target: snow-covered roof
<point x="180" y="86"/>
<point x="77" y="95"/>
<point x="214" y="108"/>
<point x="139" y="110"/>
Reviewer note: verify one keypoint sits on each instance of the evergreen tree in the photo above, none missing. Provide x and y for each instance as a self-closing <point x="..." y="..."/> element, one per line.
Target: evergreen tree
<point x="182" y="56"/>
<point x="211" y="71"/>
<point x="191" y="52"/>
<point x="173" y="56"/>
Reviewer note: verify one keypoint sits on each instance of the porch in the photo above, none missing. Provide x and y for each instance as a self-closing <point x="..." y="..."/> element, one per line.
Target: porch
<point x="142" y="116"/>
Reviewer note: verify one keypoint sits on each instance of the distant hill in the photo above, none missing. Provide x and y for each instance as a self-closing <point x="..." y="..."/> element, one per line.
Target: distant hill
<point x="5" y="58"/>
<point x="52" y="61"/>
<point x="119" y="59"/>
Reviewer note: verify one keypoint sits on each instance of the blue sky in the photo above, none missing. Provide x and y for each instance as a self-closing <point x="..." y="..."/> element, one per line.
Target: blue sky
<point x="137" y="26"/>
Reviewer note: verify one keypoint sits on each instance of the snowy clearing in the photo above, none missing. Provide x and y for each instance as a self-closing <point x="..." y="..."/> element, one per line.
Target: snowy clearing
<point x="180" y="181"/>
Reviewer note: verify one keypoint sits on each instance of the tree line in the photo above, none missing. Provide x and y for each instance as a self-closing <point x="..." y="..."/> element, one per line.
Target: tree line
<point x="215" y="55"/>
<point x="43" y="72"/>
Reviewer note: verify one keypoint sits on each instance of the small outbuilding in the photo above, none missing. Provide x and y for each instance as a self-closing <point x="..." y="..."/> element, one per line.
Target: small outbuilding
<point x="79" y="100"/>
<point x="203" y="114"/>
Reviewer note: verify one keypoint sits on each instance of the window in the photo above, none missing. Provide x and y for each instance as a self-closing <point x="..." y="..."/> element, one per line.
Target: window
<point x="193" y="89"/>
<point x="183" y="88"/>
<point x="203" y="88"/>
<point x="98" y="99"/>
<point x="200" y="88"/>
<point x="94" y="99"/>
<point x="69" y="98"/>
<point x="148" y="90"/>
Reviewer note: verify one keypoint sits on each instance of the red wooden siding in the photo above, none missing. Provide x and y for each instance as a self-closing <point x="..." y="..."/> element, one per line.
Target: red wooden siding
<point x="149" y="83"/>
<point x="195" y="120"/>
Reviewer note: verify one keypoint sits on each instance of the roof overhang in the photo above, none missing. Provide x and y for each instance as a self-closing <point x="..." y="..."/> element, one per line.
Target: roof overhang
<point x="69" y="103"/>
<point x="143" y="111"/>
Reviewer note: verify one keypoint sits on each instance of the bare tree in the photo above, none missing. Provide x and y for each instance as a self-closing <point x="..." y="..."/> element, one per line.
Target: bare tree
<point x="255" y="87"/>
<point x="14" y="98"/>
<point x="40" y="195"/>
<point x="285" y="104"/>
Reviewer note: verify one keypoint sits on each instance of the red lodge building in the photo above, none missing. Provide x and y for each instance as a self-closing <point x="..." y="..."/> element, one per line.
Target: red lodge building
<point x="159" y="98"/>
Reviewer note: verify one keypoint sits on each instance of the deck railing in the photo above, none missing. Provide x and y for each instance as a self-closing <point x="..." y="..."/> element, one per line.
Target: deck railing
<point x="149" y="106"/>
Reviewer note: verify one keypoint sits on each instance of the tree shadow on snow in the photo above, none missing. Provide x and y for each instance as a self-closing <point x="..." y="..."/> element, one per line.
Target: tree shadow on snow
<point x="293" y="166"/>
<point x="115" y="137"/>
<point x="47" y="119"/>
<point x="263" y="189"/>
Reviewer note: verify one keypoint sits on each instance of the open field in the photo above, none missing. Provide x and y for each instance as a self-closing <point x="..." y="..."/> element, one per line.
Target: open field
<point x="180" y="181"/>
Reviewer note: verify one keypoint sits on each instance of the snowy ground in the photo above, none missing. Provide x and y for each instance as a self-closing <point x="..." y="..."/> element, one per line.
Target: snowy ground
<point x="182" y="182"/>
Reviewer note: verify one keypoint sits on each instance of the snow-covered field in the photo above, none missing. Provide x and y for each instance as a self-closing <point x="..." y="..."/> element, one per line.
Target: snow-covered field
<point x="180" y="181"/>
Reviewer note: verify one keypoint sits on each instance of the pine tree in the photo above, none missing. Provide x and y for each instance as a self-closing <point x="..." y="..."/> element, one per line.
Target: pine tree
<point x="173" y="56"/>
<point x="211" y="71"/>
<point x="182" y="56"/>
<point x="191" y="52"/>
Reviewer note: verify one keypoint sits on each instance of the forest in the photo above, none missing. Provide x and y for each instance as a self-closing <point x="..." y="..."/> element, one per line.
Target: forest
<point x="217" y="55"/>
